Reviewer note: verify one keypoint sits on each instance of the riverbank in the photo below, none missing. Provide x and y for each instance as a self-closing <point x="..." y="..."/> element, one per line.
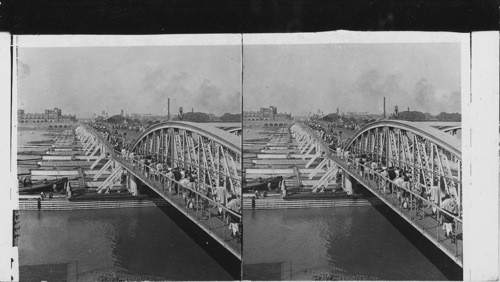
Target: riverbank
<point x="277" y="202"/>
<point x="62" y="204"/>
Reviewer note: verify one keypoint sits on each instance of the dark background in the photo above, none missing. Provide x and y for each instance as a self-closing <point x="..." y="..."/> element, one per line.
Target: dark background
<point x="233" y="16"/>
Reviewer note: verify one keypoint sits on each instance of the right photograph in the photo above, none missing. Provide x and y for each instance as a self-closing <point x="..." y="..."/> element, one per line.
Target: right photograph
<point x="352" y="157"/>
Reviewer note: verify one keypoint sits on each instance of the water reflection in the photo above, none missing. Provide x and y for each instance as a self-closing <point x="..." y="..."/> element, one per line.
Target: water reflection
<point x="338" y="243"/>
<point x="139" y="244"/>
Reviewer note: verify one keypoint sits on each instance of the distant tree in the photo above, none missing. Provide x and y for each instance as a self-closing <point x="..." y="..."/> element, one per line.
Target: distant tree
<point x="411" y="116"/>
<point x="449" y="117"/>
<point x="195" y="117"/>
<point x="350" y="119"/>
<point x="330" y="117"/>
<point x="115" y="119"/>
<point x="227" y="117"/>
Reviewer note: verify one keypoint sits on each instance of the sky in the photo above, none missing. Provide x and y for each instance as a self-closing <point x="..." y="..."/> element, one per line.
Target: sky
<point x="87" y="80"/>
<point x="353" y="77"/>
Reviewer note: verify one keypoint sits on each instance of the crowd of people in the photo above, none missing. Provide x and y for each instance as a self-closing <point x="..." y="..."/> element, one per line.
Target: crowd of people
<point x="327" y="132"/>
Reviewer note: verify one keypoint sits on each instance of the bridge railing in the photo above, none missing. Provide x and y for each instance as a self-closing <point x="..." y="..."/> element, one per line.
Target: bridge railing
<point x="383" y="182"/>
<point x="402" y="163"/>
<point x="187" y="164"/>
<point x="159" y="176"/>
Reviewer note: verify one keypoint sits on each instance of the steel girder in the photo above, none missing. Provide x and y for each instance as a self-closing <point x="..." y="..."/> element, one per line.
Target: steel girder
<point x="426" y="157"/>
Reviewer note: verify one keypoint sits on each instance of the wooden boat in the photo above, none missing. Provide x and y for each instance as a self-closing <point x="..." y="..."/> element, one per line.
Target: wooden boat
<point x="262" y="184"/>
<point x="328" y="194"/>
<point x="44" y="186"/>
<point x="82" y="197"/>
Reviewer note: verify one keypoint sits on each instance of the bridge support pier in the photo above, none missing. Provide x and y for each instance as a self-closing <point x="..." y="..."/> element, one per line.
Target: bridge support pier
<point x="132" y="183"/>
<point x="347" y="182"/>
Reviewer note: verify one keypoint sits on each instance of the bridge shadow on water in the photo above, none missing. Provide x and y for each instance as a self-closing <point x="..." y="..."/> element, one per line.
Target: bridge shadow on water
<point x="220" y="254"/>
<point x="447" y="266"/>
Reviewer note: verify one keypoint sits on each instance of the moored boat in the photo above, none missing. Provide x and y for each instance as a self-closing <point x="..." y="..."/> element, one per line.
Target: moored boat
<point x="44" y="186"/>
<point x="330" y="195"/>
<point x="262" y="184"/>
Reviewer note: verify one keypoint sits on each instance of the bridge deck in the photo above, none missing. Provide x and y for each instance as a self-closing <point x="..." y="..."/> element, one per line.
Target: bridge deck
<point x="428" y="225"/>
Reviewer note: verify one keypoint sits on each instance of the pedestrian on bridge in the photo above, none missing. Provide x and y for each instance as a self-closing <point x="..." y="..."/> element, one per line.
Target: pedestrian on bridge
<point x="392" y="175"/>
<point x="221" y="195"/>
<point x="374" y="166"/>
<point x="435" y="196"/>
<point x="234" y="205"/>
<point x="184" y="185"/>
<point x="177" y="177"/>
<point x="383" y="178"/>
<point x="449" y="205"/>
<point x="399" y="183"/>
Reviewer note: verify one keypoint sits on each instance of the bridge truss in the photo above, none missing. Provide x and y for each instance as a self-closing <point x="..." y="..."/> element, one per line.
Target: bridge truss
<point x="212" y="155"/>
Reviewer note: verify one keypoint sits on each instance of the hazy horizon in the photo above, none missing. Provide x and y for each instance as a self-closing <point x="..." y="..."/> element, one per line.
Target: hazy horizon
<point x="303" y="78"/>
<point x="88" y="80"/>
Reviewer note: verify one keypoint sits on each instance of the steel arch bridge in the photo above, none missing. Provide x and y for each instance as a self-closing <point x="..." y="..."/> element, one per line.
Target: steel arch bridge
<point x="212" y="156"/>
<point x="206" y="151"/>
<point x="426" y="152"/>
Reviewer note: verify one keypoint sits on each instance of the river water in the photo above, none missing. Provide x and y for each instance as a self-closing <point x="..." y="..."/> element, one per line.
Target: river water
<point x="92" y="245"/>
<point x="134" y="243"/>
<point x="343" y="243"/>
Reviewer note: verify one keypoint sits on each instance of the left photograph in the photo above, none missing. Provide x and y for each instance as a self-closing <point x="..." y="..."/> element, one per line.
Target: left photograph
<point x="129" y="157"/>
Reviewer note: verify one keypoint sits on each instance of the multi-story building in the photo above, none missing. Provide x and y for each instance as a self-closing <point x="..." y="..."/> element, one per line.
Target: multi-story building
<point x="54" y="115"/>
<point x="263" y="114"/>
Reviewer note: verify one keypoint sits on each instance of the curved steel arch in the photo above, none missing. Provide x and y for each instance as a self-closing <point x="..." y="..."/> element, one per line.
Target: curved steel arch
<point x="434" y="135"/>
<point x="220" y="136"/>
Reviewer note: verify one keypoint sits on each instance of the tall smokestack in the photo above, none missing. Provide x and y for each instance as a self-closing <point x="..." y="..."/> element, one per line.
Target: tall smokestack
<point x="384" y="107"/>
<point x="168" y="108"/>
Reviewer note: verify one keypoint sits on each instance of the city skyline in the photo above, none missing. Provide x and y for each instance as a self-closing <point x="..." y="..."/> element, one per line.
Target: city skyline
<point x="353" y="77"/>
<point x="135" y="79"/>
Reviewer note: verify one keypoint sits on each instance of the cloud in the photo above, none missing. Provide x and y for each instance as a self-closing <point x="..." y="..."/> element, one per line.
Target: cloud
<point x="210" y="97"/>
<point x="207" y="97"/>
<point x="373" y="85"/>
<point x="23" y="70"/>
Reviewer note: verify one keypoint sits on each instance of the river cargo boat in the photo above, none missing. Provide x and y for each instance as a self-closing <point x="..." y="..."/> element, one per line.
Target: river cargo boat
<point x="262" y="184"/>
<point x="329" y="195"/>
<point x="44" y="186"/>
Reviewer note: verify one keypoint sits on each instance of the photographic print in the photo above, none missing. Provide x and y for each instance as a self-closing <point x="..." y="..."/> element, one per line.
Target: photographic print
<point x="128" y="157"/>
<point x="353" y="156"/>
